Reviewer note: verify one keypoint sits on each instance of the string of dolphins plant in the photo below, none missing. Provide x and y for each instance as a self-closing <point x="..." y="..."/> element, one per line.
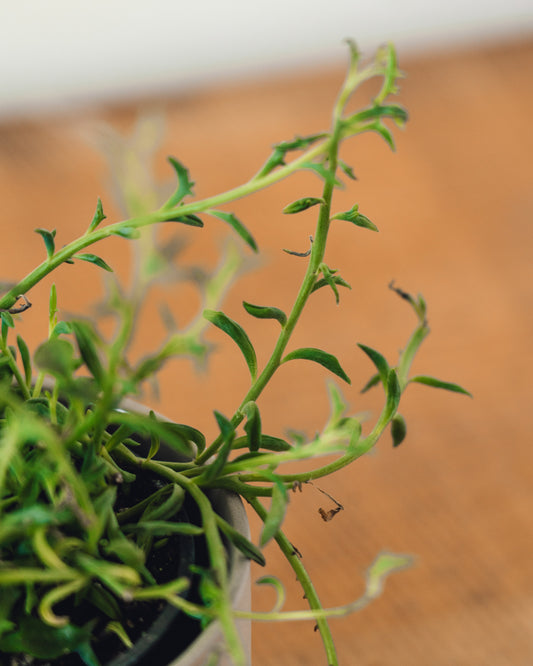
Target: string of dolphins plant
<point x="64" y="462"/>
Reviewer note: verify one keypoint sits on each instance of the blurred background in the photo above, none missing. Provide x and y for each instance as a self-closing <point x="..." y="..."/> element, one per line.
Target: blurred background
<point x="216" y="84"/>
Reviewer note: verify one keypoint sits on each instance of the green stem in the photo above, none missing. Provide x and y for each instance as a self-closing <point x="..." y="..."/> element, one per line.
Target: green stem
<point x="305" y="581"/>
<point x="90" y="238"/>
<point x="4" y="347"/>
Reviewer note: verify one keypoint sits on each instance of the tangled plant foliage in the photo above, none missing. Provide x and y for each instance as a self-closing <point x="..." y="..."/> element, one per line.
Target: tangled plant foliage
<point x="67" y="451"/>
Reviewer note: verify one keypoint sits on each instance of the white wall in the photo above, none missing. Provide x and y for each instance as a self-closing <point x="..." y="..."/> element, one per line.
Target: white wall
<point x="57" y="53"/>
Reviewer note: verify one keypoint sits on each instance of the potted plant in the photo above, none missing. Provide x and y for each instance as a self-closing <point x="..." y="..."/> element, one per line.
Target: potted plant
<point x="111" y="517"/>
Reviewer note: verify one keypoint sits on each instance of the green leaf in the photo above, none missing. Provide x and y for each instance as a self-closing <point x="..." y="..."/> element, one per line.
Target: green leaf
<point x="278" y="587"/>
<point x="325" y="174"/>
<point x="302" y="204"/>
<point x="25" y="357"/>
<point x="52" y="306"/>
<point x="329" y="275"/>
<point x="167" y="509"/>
<point x="190" y="220"/>
<point x="281" y="149"/>
<point x="253" y="425"/>
<point x="347" y="169"/>
<point x="237" y="225"/>
<point x="437" y="383"/>
<point x="155" y="440"/>
<point x="94" y="259"/>
<point x="48" y="238"/>
<point x="131" y="233"/>
<point x="336" y="279"/>
<point x="355" y="217"/>
<point x="56" y="356"/>
<point x="276" y="514"/>
<point x="265" y="312"/>
<point x="318" y="356"/>
<point x="247" y="548"/>
<point x="144" y="426"/>
<point x="228" y="433"/>
<point x="7" y="319"/>
<point x="394" y="393"/>
<point x="383" y="131"/>
<point x="85" y="338"/>
<point x="379" y="361"/>
<point x="267" y="442"/>
<point x="98" y="216"/>
<point x="119" y="435"/>
<point x="398" y="430"/>
<point x="40" y="640"/>
<point x="126" y="551"/>
<point x="237" y="334"/>
<point x="395" y="111"/>
<point x="185" y="185"/>
<point x="162" y="528"/>
<point x="384" y="564"/>
<point x="336" y="401"/>
<point x="61" y="328"/>
<point x="186" y="432"/>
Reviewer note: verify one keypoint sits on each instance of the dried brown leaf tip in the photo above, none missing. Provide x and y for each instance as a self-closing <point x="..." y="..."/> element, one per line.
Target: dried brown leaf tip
<point x="329" y="515"/>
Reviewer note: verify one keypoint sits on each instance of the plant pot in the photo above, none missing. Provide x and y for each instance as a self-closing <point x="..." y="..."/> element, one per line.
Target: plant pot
<point x="162" y="645"/>
<point x="173" y="638"/>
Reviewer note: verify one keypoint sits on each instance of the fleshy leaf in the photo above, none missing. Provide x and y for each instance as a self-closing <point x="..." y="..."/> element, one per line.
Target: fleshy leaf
<point x="347" y="169"/>
<point x="281" y="149"/>
<point x="85" y="339"/>
<point x="131" y="233"/>
<point x="25" y="357"/>
<point x="237" y="334"/>
<point x="246" y="547"/>
<point x="384" y="564"/>
<point x="276" y="514"/>
<point x="237" y="225"/>
<point x="373" y="381"/>
<point x="265" y="312"/>
<point x="394" y="393"/>
<point x="98" y="216"/>
<point x="398" y="430"/>
<point x="94" y="259"/>
<point x="329" y="275"/>
<point x="185" y="185"/>
<point x="437" y="383"/>
<point x="379" y="361"/>
<point x="336" y="279"/>
<point x="302" y="204"/>
<point x="228" y="433"/>
<point x="318" y="356"/>
<point x="268" y="442"/>
<point x="7" y="319"/>
<point x="384" y="132"/>
<point x="190" y="220"/>
<point x="395" y="111"/>
<point x="336" y="400"/>
<point x="278" y="586"/>
<point x="253" y="425"/>
<point x="56" y="356"/>
<point x="355" y="217"/>
<point x="49" y="240"/>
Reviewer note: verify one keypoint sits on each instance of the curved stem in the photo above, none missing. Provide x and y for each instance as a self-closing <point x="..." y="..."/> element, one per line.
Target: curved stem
<point x="305" y="581"/>
<point x="162" y="215"/>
